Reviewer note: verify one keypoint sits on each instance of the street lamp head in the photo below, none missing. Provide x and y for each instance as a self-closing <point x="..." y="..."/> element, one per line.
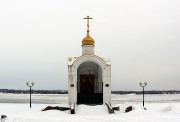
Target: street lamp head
<point x="33" y="82"/>
<point x="140" y="83"/>
<point x="30" y="84"/>
<point x="145" y="83"/>
<point x="27" y="83"/>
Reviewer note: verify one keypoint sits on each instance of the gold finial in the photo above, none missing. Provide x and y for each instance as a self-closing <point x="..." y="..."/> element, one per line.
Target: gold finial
<point x="88" y="40"/>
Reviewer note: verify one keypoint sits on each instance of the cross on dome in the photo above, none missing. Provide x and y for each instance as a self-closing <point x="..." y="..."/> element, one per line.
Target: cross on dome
<point x="88" y="18"/>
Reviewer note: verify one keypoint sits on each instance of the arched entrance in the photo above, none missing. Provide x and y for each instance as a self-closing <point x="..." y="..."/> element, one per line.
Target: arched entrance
<point x="89" y="83"/>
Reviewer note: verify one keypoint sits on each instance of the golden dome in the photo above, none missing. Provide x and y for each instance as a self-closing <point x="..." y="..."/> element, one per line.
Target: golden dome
<point x="88" y="40"/>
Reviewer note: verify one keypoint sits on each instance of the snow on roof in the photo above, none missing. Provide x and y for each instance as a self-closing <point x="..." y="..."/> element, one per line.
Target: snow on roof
<point x="71" y="60"/>
<point x="107" y="60"/>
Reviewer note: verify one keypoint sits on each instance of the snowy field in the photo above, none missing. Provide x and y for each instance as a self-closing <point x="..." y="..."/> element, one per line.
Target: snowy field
<point x="160" y="108"/>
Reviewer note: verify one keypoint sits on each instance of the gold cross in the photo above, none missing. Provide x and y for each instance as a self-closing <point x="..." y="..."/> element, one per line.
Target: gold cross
<point x="88" y="18"/>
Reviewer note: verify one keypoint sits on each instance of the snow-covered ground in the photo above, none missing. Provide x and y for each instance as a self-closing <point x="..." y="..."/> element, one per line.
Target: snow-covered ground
<point x="160" y="108"/>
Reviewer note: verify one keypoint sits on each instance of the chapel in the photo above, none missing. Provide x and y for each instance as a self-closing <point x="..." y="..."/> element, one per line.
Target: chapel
<point x="89" y="75"/>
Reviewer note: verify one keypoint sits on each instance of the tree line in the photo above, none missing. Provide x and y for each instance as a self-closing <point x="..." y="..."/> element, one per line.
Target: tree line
<point x="147" y="92"/>
<point x="66" y="92"/>
<point x="33" y="91"/>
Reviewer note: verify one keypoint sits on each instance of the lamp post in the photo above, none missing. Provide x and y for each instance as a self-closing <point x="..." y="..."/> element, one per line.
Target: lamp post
<point x="30" y="84"/>
<point x="143" y="85"/>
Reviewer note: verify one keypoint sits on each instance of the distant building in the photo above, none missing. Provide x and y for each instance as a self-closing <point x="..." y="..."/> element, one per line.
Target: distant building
<point x="89" y="76"/>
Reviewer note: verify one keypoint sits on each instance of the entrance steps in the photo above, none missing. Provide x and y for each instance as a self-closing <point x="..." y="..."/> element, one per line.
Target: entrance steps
<point x="92" y="110"/>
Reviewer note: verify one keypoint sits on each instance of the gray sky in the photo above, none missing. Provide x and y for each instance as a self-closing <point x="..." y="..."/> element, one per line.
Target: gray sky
<point x="141" y="37"/>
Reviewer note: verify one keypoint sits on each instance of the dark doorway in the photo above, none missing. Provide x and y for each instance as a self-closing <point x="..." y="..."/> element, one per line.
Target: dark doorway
<point x="90" y="92"/>
<point x="86" y="83"/>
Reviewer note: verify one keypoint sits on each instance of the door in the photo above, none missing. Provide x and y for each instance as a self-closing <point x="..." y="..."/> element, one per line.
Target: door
<point x="86" y="83"/>
<point x="87" y="90"/>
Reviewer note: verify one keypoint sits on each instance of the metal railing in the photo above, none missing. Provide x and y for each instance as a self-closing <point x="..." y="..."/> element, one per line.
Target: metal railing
<point x="93" y="97"/>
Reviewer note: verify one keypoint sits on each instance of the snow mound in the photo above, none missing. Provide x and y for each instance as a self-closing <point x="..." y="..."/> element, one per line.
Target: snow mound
<point x="170" y="108"/>
<point x="167" y="109"/>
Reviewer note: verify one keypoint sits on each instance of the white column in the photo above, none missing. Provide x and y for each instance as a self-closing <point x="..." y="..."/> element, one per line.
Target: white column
<point x="72" y="88"/>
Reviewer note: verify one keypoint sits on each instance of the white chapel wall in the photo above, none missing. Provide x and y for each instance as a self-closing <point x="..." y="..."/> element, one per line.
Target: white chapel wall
<point x="72" y="77"/>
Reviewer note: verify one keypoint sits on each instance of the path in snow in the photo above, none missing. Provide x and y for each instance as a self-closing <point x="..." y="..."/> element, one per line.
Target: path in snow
<point x="92" y="110"/>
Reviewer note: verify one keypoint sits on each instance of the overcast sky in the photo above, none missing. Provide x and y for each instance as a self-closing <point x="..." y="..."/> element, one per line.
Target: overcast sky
<point x="141" y="38"/>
